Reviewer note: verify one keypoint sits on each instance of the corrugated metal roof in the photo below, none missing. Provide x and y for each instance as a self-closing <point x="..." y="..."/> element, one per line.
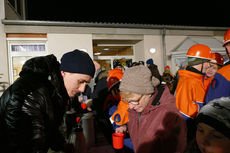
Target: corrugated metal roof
<point x="108" y="25"/>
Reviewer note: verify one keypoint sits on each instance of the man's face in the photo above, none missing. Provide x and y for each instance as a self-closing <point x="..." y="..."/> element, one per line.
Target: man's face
<point x="74" y="82"/>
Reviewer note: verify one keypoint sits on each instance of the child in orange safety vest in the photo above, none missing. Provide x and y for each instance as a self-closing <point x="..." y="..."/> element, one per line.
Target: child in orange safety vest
<point x="119" y="111"/>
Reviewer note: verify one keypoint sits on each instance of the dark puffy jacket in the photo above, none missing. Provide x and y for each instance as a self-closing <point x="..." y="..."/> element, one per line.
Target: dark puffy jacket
<point x="32" y="108"/>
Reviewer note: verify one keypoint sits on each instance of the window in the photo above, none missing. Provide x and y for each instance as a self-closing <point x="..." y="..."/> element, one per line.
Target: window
<point x="12" y="3"/>
<point x="28" y="48"/>
<point x="19" y="11"/>
<point x="16" y="6"/>
<point x="22" y="49"/>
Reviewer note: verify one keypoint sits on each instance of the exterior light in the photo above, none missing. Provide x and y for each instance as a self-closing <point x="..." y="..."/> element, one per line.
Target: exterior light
<point x="152" y="50"/>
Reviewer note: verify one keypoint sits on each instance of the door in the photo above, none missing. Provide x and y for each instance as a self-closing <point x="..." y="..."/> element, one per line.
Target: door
<point x="106" y="55"/>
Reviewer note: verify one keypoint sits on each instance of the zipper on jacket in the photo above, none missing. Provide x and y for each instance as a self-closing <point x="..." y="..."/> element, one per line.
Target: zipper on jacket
<point x="139" y="118"/>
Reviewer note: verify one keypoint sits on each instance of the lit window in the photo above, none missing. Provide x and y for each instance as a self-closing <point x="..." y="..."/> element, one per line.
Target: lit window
<point x="26" y="48"/>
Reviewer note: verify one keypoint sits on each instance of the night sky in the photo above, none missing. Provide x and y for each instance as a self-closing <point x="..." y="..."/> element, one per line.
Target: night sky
<point x="192" y="14"/>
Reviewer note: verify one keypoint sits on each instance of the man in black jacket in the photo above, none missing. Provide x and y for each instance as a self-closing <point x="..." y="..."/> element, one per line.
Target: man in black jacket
<point x="32" y="108"/>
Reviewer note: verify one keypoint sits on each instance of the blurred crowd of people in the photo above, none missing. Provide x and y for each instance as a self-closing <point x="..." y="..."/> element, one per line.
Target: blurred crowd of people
<point x="188" y="112"/>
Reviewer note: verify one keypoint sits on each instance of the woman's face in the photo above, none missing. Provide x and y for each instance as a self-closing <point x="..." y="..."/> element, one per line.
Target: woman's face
<point x="211" y="71"/>
<point x="210" y="140"/>
<point x="138" y="102"/>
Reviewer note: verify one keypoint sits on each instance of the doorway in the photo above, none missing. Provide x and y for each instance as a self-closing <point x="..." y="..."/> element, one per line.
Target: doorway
<point x="106" y="54"/>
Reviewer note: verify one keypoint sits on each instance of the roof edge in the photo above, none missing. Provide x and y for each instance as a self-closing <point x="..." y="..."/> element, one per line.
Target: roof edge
<point x="108" y="25"/>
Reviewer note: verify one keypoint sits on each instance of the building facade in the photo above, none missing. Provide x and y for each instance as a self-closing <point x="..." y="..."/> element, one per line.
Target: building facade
<point x="166" y="45"/>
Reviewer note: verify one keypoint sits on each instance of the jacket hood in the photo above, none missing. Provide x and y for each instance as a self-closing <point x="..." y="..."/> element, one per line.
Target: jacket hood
<point x="44" y="69"/>
<point x="40" y="67"/>
<point x="166" y="100"/>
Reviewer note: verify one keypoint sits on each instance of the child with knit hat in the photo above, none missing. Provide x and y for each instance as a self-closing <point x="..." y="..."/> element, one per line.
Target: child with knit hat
<point x="213" y="128"/>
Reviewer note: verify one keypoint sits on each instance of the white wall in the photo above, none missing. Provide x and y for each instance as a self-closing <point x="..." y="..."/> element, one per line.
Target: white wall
<point x="220" y="38"/>
<point x="171" y="43"/>
<point x="3" y="48"/>
<point x="154" y="41"/>
<point x="139" y="52"/>
<point x="58" y="44"/>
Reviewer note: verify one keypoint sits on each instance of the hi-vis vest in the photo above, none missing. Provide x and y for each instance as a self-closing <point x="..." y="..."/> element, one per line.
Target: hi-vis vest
<point x="121" y="115"/>
<point x="190" y="93"/>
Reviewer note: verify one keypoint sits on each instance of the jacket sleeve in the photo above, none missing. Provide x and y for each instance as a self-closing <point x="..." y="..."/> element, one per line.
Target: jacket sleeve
<point x="219" y="87"/>
<point x="45" y="131"/>
<point x="35" y="107"/>
<point x="19" y="114"/>
<point x="14" y="121"/>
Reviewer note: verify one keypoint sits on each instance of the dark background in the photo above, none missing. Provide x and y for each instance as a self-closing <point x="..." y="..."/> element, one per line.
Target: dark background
<point x="188" y="13"/>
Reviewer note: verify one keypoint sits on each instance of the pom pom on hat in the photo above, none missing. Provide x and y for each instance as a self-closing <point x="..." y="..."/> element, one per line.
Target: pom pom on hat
<point x="77" y="62"/>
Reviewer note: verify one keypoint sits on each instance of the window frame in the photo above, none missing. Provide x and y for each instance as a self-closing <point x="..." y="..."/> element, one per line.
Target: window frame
<point x="16" y="6"/>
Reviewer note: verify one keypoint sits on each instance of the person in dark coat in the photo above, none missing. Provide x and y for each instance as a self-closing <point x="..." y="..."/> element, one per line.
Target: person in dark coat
<point x="169" y="79"/>
<point x="155" y="72"/>
<point x="32" y="108"/>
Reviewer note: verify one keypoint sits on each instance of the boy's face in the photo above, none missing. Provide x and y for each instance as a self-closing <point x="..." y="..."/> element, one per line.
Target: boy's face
<point x="211" y="71"/>
<point x="205" y="67"/>
<point x="210" y="140"/>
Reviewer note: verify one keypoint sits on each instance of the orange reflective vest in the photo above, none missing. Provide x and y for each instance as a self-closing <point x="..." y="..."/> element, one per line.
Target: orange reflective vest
<point x="121" y="115"/>
<point x="190" y="93"/>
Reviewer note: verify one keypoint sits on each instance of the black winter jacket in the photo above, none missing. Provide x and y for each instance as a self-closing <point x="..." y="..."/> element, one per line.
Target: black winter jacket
<point x="32" y="108"/>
